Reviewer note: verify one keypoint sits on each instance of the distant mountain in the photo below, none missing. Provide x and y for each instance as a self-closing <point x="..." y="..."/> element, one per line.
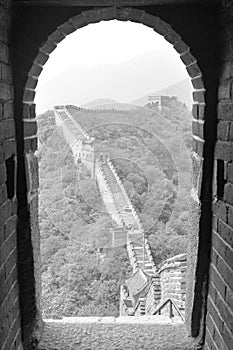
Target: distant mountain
<point x="182" y="89"/>
<point x="98" y="102"/>
<point x="150" y="71"/>
<point x="115" y="105"/>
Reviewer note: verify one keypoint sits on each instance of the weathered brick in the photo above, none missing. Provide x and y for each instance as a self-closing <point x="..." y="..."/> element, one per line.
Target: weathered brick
<point x="29" y="95"/>
<point x="225" y="232"/>
<point x="227" y="335"/>
<point x="198" y="83"/>
<point x="2" y="173"/>
<point x="225" y="110"/>
<point x="209" y="342"/>
<point x="223" y="249"/>
<point x="31" y="83"/>
<point x="199" y="96"/>
<point x="150" y="21"/>
<point x="6" y="73"/>
<point x="67" y="28"/>
<point x="198" y="145"/>
<point x="188" y="58"/>
<point x="225" y="70"/>
<point x="229" y="296"/>
<point x="181" y="47"/>
<point x="224" y="311"/>
<point x="35" y="70"/>
<point x="2" y="238"/>
<point x="228" y="193"/>
<point x="193" y="70"/>
<point x="41" y="58"/>
<point x="172" y="37"/>
<point x="216" y="326"/>
<point x="7" y="129"/>
<point x="30" y="128"/>
<point x="224" y="91"/>
<point x="198" y="128"/>
<point x="4" y="52"/>
<point x="198" y="111"/>
<point x="224" y="270"/>
<point x="3" y="193"/>
<point x="30" y="145"/>
<point x="230" y="172"/>
<point x="223" y="130"/>
<point x="8" y="110"/>
<point x="10" y="225"/>
<point x="136" y="15"/>
<point x="14" y="206"/>
<point x="224" y="151"/>
<point x="48" y="47"/>
<point x="231" y="132"/>
<point x="11" y="262"/>
<point x="220" y="210"/>
<point x="217" y="281"/>
<point x="5" y="211"/>
<point x="9" y="148"/>
<point x="79" y="21"/>
<point x="5" y="91"/>
<point x="13" y="331"/>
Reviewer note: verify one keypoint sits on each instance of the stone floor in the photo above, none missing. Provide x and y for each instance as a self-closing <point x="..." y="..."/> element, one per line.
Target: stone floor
<point x="111" y="335"/>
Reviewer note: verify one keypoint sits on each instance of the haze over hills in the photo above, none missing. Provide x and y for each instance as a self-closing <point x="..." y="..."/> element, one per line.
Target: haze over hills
<point x="98" y="102"/>
<point x="182" y="89"/>
<point x="123" y="82"/>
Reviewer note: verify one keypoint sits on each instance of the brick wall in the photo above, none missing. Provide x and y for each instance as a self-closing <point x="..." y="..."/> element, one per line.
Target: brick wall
<point x="219" y="322"/>
<point x="194" y="38"/>
<point x="153" y="296"/>
<point x="172" y="273"/>
<point x="10" y="330"/>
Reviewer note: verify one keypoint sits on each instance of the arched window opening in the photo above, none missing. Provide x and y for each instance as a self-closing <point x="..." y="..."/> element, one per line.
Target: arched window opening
<point x="69" y="167"/>
<point x="120" y="213"/>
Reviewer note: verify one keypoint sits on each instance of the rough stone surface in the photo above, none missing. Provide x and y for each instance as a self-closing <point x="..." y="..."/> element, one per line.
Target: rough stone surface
<point x="68" y="336"/>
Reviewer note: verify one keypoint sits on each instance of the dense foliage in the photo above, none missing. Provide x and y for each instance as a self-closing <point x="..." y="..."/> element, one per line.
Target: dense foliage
<point x="151" y="152"/>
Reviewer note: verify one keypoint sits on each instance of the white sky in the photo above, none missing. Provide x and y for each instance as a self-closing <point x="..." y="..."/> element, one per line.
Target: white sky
<point x="105" y="42"/>
<point x="109" y="42"/>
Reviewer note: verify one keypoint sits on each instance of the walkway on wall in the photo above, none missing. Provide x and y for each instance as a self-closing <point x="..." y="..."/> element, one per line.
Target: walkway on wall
<point x="129" y="221"/>
<point x="142" y="291"/>
<point x="67" y="335"/>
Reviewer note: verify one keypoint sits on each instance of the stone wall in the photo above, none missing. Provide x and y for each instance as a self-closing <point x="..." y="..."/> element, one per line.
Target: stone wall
<point x="10" y="327"/>
<point x="153" y="296"/>
<point x="172" y="273"/>
<point x="194" y="38"/>
<point x="219" y="321"/>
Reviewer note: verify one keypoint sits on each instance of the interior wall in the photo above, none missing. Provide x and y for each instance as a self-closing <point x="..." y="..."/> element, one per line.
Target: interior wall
<point x="219" y="328"/>
<point x="195" y="27"/>
<point x="10" y="327"/>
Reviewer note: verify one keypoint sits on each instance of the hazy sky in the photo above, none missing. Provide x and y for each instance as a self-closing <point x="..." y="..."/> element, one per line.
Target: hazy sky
<point x="111" y="42"/>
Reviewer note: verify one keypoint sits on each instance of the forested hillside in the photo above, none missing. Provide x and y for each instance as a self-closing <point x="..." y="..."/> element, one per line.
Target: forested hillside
<point x="151" y="152"/>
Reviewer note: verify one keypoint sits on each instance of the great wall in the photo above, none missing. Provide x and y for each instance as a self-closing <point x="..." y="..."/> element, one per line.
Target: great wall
<point x="150" y="289"/>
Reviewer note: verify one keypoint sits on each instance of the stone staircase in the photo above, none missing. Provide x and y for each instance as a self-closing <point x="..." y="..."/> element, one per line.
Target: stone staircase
<point x="138" y="253"/>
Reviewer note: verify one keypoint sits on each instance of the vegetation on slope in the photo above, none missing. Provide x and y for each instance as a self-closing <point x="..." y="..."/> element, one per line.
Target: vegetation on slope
<point x="150" y="150"/>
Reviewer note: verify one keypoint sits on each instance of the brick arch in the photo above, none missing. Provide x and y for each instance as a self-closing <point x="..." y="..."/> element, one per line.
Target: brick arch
<point x="121" y="14"/>
<point x="201" y="149"/>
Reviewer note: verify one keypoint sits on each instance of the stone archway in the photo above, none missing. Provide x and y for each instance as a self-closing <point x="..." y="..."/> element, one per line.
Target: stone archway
<point x="28" y="168"/>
